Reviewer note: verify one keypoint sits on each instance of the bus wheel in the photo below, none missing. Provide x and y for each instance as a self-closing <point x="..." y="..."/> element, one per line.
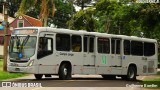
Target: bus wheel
<point x="109" y="77"/>
<point x="65" y="72"/>
<point x="38" y="76"/>
<point x="131" y="74"/>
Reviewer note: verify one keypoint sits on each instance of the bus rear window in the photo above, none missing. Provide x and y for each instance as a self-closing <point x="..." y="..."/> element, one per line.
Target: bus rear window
<point x="149" y="49"/>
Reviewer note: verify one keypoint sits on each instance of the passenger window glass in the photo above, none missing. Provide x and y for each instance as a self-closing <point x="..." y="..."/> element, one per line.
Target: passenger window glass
<point x="127" y="47"/>
<point x="62" y="42"/>
<point x="137" y="48"/>
<point x="76" y="43"/>
<point x="103" y="45"/>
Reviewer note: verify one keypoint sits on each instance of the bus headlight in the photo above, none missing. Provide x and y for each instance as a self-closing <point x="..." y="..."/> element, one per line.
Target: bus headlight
<point x="30" y="63"/>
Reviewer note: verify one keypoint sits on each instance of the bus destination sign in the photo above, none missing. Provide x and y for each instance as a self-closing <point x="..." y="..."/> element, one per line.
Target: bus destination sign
<point x="25" y="31"/>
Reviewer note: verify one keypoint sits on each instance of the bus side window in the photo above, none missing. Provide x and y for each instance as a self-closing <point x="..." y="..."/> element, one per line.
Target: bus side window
<point x="137" y="48"/>
<point x="63" y="42"/>
<point x="103" y="45"/>
<point x="127" y="47"/>
<point x="76" y="43"/>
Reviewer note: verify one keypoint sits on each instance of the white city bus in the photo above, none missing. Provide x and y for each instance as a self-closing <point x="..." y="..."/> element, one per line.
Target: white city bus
<point x="51" y="51"/>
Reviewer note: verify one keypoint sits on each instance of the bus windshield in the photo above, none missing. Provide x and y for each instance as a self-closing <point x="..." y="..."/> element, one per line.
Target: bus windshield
<point x="22" y="47"/>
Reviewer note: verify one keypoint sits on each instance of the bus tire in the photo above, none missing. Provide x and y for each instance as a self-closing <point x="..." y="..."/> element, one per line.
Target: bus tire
<point x="131" y="74"/>
<point x="109" y="77"/>
<point x="38" y="76"/>
<point x="64" y="72"/>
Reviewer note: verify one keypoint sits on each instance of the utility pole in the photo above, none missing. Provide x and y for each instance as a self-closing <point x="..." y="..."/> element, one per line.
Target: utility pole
<point x="5" y="47"/>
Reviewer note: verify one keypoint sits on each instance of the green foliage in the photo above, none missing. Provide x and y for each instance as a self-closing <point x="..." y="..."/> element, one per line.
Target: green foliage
<point x="83" y="20"/>
<point x="82" y="3"/>
<point x="63" y="13"/>
<point x="125" y="17"/>
<point x="25" y="5"/>
<point x="13" y="7"/>
<point x="121" y="18"/>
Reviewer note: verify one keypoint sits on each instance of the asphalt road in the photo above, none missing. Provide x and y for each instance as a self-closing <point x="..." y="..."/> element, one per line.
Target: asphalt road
<point x="78" y="82"/>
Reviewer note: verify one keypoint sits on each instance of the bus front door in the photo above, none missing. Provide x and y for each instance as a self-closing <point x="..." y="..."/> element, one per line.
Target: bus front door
<point x="45" y="54"/>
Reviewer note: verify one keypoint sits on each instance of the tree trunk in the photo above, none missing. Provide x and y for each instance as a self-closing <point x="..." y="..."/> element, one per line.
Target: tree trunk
<point x="107" y="26"/>
<point x="82" y="5"/>
<point x="45" y="24"/>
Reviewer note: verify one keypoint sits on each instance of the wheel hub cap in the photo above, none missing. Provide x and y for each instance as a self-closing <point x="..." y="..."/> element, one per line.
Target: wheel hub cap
<point x="65" y="71"/>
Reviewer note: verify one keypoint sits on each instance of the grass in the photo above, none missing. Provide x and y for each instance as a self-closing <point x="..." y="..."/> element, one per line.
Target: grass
<point x="7" y="75"/>
<point x="152" y="82"/>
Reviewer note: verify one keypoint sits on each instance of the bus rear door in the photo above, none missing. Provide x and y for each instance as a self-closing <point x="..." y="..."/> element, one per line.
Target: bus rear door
<point x="116" y="55"/>
<point x="89" y="55"/>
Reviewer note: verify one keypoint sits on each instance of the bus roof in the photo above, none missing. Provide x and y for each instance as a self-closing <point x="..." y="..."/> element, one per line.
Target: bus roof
<point x="83" y="32"/>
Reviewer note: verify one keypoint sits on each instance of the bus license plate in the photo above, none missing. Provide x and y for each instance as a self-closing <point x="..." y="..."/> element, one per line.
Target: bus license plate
<point x="17" y="69"/>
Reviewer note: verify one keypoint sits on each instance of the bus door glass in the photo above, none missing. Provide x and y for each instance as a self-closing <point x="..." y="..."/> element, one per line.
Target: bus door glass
<point x="116" y="52"/>
<point x="89" y="55"/>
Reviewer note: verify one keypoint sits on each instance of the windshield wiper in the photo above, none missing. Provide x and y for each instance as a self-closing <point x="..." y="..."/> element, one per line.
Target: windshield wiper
<point x="25" y="41"/>
<point x="17" y="41"/>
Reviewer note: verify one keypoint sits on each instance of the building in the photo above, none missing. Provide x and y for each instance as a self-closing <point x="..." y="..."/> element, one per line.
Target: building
<point x="25" y="21"/>
<point x="20" y="21"/>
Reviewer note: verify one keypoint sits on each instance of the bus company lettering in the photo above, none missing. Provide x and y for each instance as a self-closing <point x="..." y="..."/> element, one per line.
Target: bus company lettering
<point x="66" y="54"/>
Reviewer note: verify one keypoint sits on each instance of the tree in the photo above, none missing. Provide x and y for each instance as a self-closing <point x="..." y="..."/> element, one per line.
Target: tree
<point x="64" y="12"/>
<point x="45" y="10"/>
<point x="83" y="20"/>
<point x="47" y="6"/>
<point x="104" y="12"/>
<point x="12" y="7"/>
<point x="82" y="3"/>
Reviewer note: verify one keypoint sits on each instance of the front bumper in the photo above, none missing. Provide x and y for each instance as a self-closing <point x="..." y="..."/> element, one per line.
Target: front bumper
<point x="27" y="69"/>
